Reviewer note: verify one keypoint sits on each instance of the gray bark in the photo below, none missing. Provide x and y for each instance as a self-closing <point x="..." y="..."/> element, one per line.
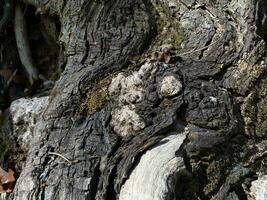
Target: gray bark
<point x="117" y="100"/>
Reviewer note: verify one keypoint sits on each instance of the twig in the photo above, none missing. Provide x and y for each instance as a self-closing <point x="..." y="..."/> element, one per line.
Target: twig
<point x="193" y="51"/>
<point x="11" y="78"/>
<point x="5" y="89"/>
<point x="60" y="155"/>
<point x="70" y="161"/>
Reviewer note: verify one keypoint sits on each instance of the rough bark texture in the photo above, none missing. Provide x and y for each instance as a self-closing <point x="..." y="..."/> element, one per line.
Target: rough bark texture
<point x="117" y="99"/>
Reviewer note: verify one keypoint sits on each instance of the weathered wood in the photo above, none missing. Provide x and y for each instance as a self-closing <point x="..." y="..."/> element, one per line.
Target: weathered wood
<point x="156" y="167"/>
<point x="132" y="111"/>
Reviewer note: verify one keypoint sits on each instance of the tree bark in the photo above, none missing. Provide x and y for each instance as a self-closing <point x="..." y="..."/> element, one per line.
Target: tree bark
<point x="118" y="106"/>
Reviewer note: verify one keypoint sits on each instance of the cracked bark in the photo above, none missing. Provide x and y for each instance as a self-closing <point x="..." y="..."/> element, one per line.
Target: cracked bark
<point x="85" y="120"/>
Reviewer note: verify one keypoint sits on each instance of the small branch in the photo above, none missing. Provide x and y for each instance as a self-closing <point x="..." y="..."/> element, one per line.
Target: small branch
<point x="70" y="161"/>
<point x="197" y="50"/>
<point x="12" y="77"/>
<point x="60" y="155"/>
<point x="23" y="44"/>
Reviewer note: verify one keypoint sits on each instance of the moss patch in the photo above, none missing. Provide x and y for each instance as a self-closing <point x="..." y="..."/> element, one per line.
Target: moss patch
<point x="169" y="31"/>
<point x="175" y="38"/>
<point x="254" y="111"/>
<point x="97" y="96"/>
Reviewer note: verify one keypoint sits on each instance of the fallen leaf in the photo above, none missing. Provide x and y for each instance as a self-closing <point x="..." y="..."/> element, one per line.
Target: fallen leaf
<point x="7" y="180"/>
<point x="3" y="174"/>
<point x="8" y="73"/>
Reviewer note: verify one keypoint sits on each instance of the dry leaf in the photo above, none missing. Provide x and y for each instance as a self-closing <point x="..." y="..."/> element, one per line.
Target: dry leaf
<point x="7" y="180"/>
<point x="9" y="177"/>
<point x="8" y="73"/>
<point x="3" y="174"/>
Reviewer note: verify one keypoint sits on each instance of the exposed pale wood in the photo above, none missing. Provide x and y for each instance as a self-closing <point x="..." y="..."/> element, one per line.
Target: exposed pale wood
<point x="23" y="45"/>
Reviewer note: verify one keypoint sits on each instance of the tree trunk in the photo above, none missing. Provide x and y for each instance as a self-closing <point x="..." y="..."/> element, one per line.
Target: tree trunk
<point x="158" y="99"/>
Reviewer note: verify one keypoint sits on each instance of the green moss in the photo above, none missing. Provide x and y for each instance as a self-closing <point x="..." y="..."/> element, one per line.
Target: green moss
<point x="168" y="29"/>
<point x="254" y="111"/>
<point x="97" y="96"/>
<point x="175" y="39"/>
